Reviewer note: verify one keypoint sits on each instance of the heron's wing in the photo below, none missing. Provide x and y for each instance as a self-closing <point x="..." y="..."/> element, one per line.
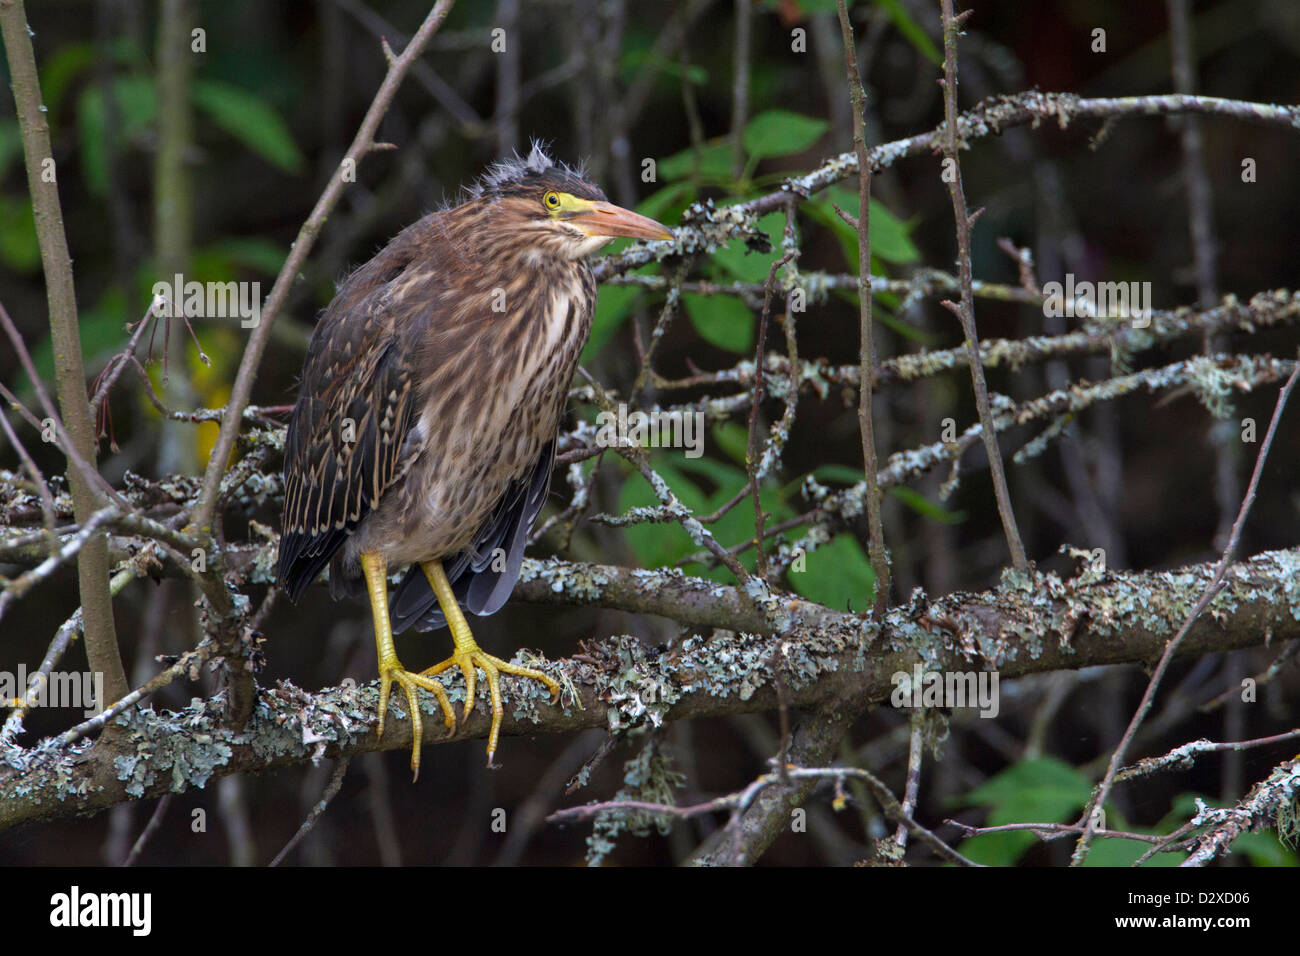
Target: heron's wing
<point x="483" y="575"/>
<point x="346" y="441"/>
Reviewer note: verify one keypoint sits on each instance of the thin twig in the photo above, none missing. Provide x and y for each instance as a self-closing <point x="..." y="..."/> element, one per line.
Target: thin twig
<point x="672" y="506"/>
<point x="155" y="821"/>
<point x="80" y="466"/>
<point x="740" y="86"/>
<point x="361" y="146"/>
<point x="42" y="486"/>
<point x="183" y="666"/>
<point x="1182" y="757"/>
<point x="965" y="310"/>
<point x="331" y="790"/>
<point x="737" y="803"/>
<point x="1052" y="831"/>
<point x="866" y="346"/>
<point x="119" y="362"/>
<point x="1216" y="584"/>
<point x="63" y="638"/>
<point x="752" y="457"/>
<point x="70" y="374"/>
<point x="76" y="543"/>
<point x="915" y="753"/>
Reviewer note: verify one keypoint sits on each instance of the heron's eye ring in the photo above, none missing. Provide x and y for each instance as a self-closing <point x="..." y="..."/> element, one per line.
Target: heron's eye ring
<point x="552" y="200"/>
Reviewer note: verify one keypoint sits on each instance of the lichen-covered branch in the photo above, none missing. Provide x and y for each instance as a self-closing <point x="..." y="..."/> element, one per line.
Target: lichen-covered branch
<point x="1025" y="626"/>
<point x="1202" y="603"/>
<point x="1271" y="802"/>
<point x="705" y="227"/>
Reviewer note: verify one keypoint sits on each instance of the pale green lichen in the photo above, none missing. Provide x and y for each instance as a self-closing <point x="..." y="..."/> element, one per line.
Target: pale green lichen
<point x="1287" y="822"/>
<point x="583" y="581"/>
<point x="636" y="700"/>
<point x="647" y="777"/>
<point x="640" y="686"/>
<point x="1213" y="385"/>
<point x="166" y="749"/>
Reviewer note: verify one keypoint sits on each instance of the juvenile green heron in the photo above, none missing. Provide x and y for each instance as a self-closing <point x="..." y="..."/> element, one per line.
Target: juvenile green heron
<point x="428" y="407"/>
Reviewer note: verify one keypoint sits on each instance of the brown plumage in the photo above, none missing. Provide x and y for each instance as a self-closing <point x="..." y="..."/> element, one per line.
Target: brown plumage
<point x="429" y="403"/>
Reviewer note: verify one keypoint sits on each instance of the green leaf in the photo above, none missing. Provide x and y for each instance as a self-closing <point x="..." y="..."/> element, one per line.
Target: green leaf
<point x="837" y="575"/>
<point x="58" y="72"/>
<point x="251" y="252"/>
<point x="19" y="249"/>
<point x="102" y="331"/>
<point x="733" y="439"/>
<point x="924" y="506"/>
<point x="737" y="525"/>
<point x="1044" y="790"/>
<point x="1264" y="849"/>
<point x="713" y="161"/>
<point x="1057" y="787"/>
<point x="818" y="6"/>
<point x="65" y="65"/>
<point x="721" y="320"/>
<point x="840" y="473"/>
<point x="697" y="75"/>
<point x="726" y="477"/>
<point x="667" y="204"/>
<point x="746" y="264"/>
<point x="137" y="107"/>
<point x="1114" y="851"/>
<point x="612" y="307"/>
<point x="781" y="133"/>
<point x="889" y="234"/>
<point x="658" y="545"/>
<point x="245" y="116"/>
<point x="11" y="144"/>
<point x="880" y="313"/>
<point x="912" y="30"/>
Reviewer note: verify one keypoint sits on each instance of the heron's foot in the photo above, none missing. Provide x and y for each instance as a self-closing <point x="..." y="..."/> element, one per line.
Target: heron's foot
<point x="391" y="672"/>
<point x="471" y="656"/>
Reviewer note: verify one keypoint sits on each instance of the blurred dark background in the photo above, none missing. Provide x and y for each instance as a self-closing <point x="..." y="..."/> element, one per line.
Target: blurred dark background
<point x="278" y="95"/>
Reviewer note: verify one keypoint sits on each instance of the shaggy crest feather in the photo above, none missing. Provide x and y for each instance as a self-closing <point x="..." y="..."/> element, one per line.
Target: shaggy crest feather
<point x="508" y="171"/>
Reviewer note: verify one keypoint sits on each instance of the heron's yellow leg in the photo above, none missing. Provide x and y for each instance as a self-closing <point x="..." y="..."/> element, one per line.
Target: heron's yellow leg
<point x="375" y="569"/>
<point x="468" y="655"/>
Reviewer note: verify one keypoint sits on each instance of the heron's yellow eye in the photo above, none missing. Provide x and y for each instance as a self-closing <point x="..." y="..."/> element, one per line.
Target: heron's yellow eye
<point x="552" y="200"/>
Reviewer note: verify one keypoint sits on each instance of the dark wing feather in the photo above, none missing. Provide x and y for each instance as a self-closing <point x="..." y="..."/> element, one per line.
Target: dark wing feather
<point x="356" y="371"/>
<point x="481" y="576"/>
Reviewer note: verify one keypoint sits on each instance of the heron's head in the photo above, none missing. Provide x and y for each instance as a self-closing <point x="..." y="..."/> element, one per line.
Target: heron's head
<point x="535" y="204"/>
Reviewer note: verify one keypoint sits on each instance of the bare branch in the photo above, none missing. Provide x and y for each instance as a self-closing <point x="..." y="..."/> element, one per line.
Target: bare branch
<point x="70" y="373"/>
<point x="1216" y="584"/>
<point x="965" y="310"/>
<point x="866" y="348"/>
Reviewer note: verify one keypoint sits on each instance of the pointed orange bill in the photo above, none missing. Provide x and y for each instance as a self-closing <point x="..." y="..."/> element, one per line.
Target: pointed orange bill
<point x="606" y="219"/>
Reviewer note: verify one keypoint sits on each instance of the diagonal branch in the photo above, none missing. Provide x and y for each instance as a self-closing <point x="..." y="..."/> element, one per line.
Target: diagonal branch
<point x="362" y="144"/>
<point x="1216" y="584"/>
